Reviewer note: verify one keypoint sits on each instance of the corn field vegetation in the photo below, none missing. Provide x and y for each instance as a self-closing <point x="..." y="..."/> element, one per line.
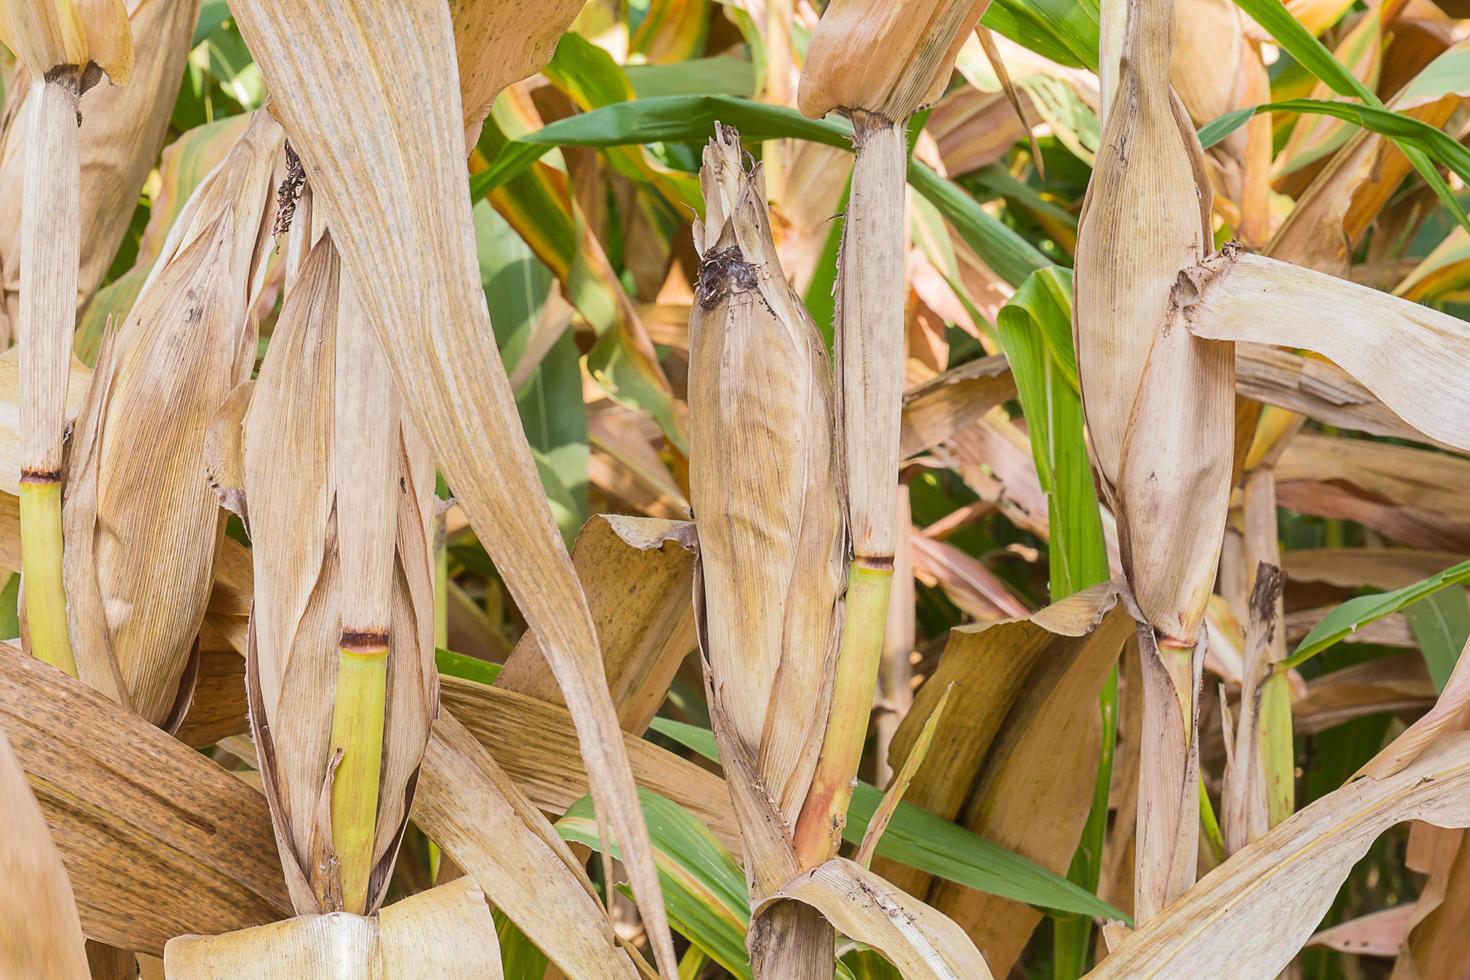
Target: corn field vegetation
<point x="772" y="489"/>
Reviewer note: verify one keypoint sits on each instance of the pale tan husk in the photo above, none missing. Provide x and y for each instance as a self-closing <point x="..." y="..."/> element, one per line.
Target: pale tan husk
<point x="293" y="468"/>
<point x="763" y="485"/>
<point x="142" y="525"/>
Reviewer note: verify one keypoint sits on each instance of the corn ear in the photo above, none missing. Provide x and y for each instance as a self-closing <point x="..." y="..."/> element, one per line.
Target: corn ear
<point x="1159" y="410"/>
<point x="763" y="484"/>
<point x="344" y="594"/>
<point x="363" y="111"/>
<point x="142" y="528"/>
<point x="1145" y="219"/>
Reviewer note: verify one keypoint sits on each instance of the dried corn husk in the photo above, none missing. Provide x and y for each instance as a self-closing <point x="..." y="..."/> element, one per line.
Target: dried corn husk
<point x="1145" y="219"/>
<point x="364" y="112"/>
<point x="763" y="484"/>
<point x="304" y="533"/>
<point x="142" y="525"/>
<point x="884" y="58"/>
<point x="445" y="931"/>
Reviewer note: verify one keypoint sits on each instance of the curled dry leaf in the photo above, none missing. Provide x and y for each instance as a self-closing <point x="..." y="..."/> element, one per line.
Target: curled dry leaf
<point x="365" y="113"/>
<point x="919" y="941"/>
<point x="638" y="574"/>
<point x="1412" y="357"/>
<point x="445" y="931"/>
<point x="887" y="59"/>
<point x="1258" y="908"/>
<point x="992" y="667"/>
<point x="72" y="33"/>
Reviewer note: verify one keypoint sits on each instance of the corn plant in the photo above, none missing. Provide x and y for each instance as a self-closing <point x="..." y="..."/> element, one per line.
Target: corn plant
<point x="695" y="490"/>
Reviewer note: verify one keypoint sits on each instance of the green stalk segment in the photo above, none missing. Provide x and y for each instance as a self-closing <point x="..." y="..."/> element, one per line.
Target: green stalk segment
<point x="357" y="732"/>
<point x="40" y="560"/>
<point x="823" y="815"/>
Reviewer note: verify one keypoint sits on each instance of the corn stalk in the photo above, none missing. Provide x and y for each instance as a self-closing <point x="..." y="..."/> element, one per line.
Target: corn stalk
<point x="877" y="63"/>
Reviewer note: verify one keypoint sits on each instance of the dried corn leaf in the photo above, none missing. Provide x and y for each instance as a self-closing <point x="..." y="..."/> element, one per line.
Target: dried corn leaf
<point x="1412" y="357"/>
<point x="472" y="809"/>
<point x="1412" y="495"/>
<point x="1385" y="569"/>
<point x="74" y="33"/>
<point x="637" y="574"/>
<point x="497" y="44"/>
<point x="919" y="941"/>
<point x="884" y="58"/>
<point x="549" y="770"/>
<point x="1396" y="683"/>
<point x="1258" y="908"/>
<point x="42" y="936"/>
<point x="157" y="839"/>
<point x="1446" y="713"/>
<point x="991" y="667"/>
<point x="446" y="931"/>
<point x="934" y="411"/>
<point x="1042" y="760"/>
<point x="366" y="113"/>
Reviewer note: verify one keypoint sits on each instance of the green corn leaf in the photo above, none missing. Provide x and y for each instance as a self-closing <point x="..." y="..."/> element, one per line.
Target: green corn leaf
<point x="1367" y="609"/>
<point x="918" y="838"/>
<point x="1441" y="625"/>
<point x="690" y="119"/>
<point x="704" y="889"/>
